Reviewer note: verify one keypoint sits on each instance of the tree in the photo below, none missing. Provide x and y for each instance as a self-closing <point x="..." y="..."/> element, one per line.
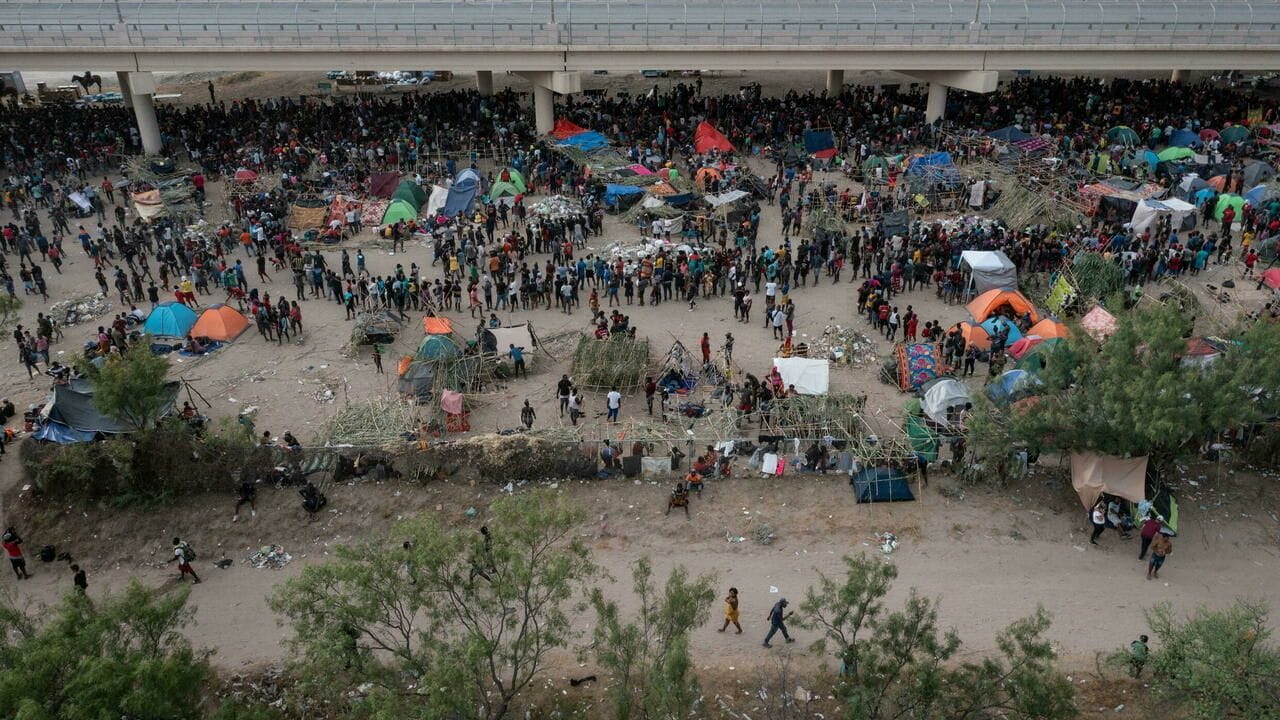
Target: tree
<point x="1221" y="663"/>
<point x="132" y="387"/>
<point x="456" y="625"/>
<point x="649" y="656"/>
<point x="1137" y="396"/>
<point x="894" y="664"/>
<point x="119" y="656"/>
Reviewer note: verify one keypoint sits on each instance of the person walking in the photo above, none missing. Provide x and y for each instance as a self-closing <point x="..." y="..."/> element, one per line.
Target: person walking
<point x="247" y="494"/>
<point x="183" y="554"/>
<point x="377" y="358"/>
<point x="80" y="580"/>
<point x="731" y="611"/>
<point x="1150" y="528"/>
<point x="1099" y="519"/>
<point x="1138" y="652"/>
<point x="517" y="359"/>
<point x="650" y="389"/>
<point x="1161" y="547"/>
<point x="778" y="622"/>
<point x="614" y="399"/>
<point x="527" y="415"/>
<point x="12" y="544"/>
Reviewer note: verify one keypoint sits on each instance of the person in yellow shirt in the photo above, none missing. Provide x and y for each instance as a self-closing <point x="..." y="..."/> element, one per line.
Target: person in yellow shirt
<point x="188" y="289"/>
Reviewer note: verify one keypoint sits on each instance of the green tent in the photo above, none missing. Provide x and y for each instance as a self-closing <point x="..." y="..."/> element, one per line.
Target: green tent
<point x="875" y="161"/>
<point x="1123" y="135"/>
<point x="1175" y="153"/>
<point x="399" y="210"/>
<point x="512" y="177"/>
<point x="1225" y="201"/>
<point x="502" y="188"/>
<point x="412" y="193"/>
<point x="1234" y="134"/>
<point x="923" y="439"/>
<point x="437" y="347"/>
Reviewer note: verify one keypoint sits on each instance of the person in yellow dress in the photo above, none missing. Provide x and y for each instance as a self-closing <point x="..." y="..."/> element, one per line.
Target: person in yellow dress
<point x="731" y="611"/>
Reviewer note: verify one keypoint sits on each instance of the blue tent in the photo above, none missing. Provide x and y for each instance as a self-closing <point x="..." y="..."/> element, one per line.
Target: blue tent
<point x="1257" y="195"/>
<point x="587" y="141"/>
<point x="462" y="193"/>
<point x="1152" y="160"/>
<point x="881" y="485"/>
<point x="170" y="319"/>
<point x="437" y="347"/>
<point x="996" y="322"/>
<point x="1204" y="195"/>
<point x="815" y="140"/>
<point x="1185" y="138"/>
<point x="613" y="193"/>
<point x="1012" y="385"/>
<point x="1008" y="134"/>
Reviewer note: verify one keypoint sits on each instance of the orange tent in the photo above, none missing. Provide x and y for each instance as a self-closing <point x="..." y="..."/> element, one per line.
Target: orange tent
<point x="975" y="336"/>
<point x="436" y="325"/>
<point x="986" y="304"/>
<point x="704" y="176"/>
<point x="221" y="323"/>
<point x="1049" y="329"/>
<point x="1217" y="182"/>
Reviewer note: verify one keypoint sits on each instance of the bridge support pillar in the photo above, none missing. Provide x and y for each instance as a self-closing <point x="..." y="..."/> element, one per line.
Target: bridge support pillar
<point x="835" y="82"/>
<point x="544" y="109"/>
<point x="484" y="82"/>
<point x="937" y="107"/>
<point x="1181" y="76"/>
<point x="123" y="78"/>
<point x="546" y="84"/>
<point x="141" y="86"/>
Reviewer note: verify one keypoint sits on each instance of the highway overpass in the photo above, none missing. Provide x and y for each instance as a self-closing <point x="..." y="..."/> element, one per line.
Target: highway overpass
<point x="958" y="44"/>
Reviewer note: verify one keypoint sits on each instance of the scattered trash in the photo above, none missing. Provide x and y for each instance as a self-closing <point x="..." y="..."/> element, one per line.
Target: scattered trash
<point x="733" y="538"/>
<point x="471" y="512"/>
<point x="272" y="556"/>
<point x="773" y="590"/>
<point x="79" y="309"/>
<point x="889" y="542"/>
<point x="764" y="535"/>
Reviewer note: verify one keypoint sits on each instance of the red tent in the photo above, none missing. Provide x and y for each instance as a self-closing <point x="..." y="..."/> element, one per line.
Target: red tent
<point x="706" y="138"/>
<point x="383" y="185"/>
<point x="565" y="129"/>
<point x="1271" y="278"/>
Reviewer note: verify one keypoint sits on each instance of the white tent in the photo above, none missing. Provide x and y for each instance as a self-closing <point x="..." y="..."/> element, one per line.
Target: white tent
<point x="724" y="198"/>
<point x="941" y="394"/>
<point x="977" y="194"/>
<point x="989" y="270"/>
<point x="1147" y="212"/>
<point x="435" y="203"/>
<point x="811" y="377"/>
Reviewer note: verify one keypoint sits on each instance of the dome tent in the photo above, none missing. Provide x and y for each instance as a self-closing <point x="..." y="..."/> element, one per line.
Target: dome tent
<point x="437" y="347"/>
<point x="399" y="210"/>
<point x="220" y="322"/>
<point x="170" y="320"/>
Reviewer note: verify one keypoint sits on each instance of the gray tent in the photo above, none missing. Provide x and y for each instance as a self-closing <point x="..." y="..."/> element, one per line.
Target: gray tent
<point x="72" y="406"/>
<point x="417" y="380"/>
<point x="990" y="270"/>
<point x="1258" y="172"/>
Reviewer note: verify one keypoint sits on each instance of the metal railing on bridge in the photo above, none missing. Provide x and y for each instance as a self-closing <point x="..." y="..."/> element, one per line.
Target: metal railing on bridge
<point x="549" y="24"/>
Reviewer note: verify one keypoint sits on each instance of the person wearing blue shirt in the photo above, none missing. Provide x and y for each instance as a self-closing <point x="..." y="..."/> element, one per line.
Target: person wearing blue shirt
<point x="517" y="358"/>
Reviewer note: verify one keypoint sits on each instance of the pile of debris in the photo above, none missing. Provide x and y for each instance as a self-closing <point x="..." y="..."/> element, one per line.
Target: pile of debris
<point x="270" y="556"/>
<point x="79" y="309"/>
<point x="521" y="457"/>
<point x="375" y="423"/>
<point x="844" y="346"/>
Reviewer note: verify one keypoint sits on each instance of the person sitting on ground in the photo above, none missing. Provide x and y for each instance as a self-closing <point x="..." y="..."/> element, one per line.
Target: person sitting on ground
<point x="313" y="501"/>
<point x="694" y="481"/>
<point x="193" y="346"/>
<point x="679" y="498"/>
<point x="290" y="442"/>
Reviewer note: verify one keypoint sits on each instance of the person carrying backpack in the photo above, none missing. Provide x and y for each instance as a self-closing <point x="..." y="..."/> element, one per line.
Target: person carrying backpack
<point x="183" y="553"/>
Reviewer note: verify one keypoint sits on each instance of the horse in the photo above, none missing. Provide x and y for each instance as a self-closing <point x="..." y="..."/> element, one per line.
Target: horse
<point x="87" y="80"/>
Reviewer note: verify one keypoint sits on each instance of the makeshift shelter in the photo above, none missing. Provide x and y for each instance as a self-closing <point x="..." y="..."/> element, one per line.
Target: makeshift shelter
<point x="383" y="185"/>
<point x="816" y="141"/>
<point x="416" y="380"/>
<point x="706" y="138"/>
<point x="436" y="201"/>
<point x="614" y="361"/>
<point x="376" y="327"/>
<point x="1234" y="134"/>
<point x="678" y="371"/>
<point x="940" y="395"/>
<point x="433" y="325"/>
<point x="992" y="301"/>
<point x="308" y="214"/>
<point x="565" y="129"/>
<point x="1124" y="135"/>
<point x="500" y="339"/>
<point x="1271" y="278"/>
<point x="1009" y="134"/>
<point x="169" y="320"/>
<point x="989" y="270"/>
<point x="221" y="323"/>
<point x="244" y="176"/>
<point x="875" y="165"/>
<point x="725" y="198"/>
<point x="437" y="348"/>
<point x="1024" y="345"/>
<point x="586" y="142"/>
<point x="1099" y="163"/>
<point x="74" y="417"/>
<point x="1093" y="474"/>
<point x="616" y="195"/>
<point x="1011" y="386"/>
<point x="809" y="376"/>
<point x="1098" y="323"/>
<point x="463" y="193"/>
<point x="923" y="439"/>
<point x="881" y="484"/>
<point x="1147" y="212"/>
<point x="916" y="364"/>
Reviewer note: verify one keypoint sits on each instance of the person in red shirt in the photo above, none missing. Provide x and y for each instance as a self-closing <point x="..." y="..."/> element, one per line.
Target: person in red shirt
<point x="706" y="349"/>
<point x="13" y="549"/>
<point x="1150" y="528"/>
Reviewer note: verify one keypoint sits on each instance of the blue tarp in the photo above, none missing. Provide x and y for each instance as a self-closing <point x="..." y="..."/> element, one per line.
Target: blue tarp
<point x="462" y="194"/>
<point x="1185" y="138"/>
<point x="678" y="200"/>
<point x="1009" y="134"/>
<point x="938" y="166"/>
<point x="815" y="140"/>
<point x="1012" y="385"/>
<point x="587" y="141"/>
<point x="881" y="485"/>
<point x="613" y="192"/>
<point x="58" y="433"/>
<point x="170" y="319"/>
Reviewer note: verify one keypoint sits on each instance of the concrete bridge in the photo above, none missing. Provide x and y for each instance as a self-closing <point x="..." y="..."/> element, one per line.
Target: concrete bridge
<point x="962" y="44"/>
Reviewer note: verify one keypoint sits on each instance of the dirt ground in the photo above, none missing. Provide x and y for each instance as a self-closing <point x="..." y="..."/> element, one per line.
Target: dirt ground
<point x="990" y="556"/>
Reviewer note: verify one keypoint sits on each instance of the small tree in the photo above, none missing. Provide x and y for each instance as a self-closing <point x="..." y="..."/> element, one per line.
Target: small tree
<point x="119" y="656"/>
<point x="649" y="656"/>
<point x="132" y="387"/>
<point x="455" y="626"/>
<point x="1219" y="663"/>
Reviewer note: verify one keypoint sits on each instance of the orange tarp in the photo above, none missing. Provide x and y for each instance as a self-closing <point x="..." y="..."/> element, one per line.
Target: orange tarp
<point x="437" y="326"/>
<point x="985" y="305"/>
<point x="565" y="129"/>
<point x="220" y="322"/>
<point x="1049" y="329"/>
<point x="706" y="138"/>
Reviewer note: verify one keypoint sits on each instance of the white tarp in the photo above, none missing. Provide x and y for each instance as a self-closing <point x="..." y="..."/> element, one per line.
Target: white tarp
<point x="81" y="201"/>
<point x="1147" y="212"/>
<point x="519" y="335"/>
<point x="944" y="393"/>
<point x="990" y="270"/>
<point x="811" y="377"/>
<point x="435" y="203"/>
<point x="977" y="192"/>
<point x="724" y="198"/>
<point x="1092" y="475"/>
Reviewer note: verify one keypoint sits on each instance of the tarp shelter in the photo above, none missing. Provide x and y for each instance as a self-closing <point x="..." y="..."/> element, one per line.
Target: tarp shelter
<point x="986" y="304"/>
<point x="1271" y="278"/>
<point x="817" y="140"/>
<point x="72" y="408"/>
<point x="1098" y="323"/>
<point x="398" y="211"/>
<point x="436" y="348"/>
<point x="565" y="129"/>
<point x="878" y="484"/>
<point x="1012" y="385"/>
<point x="436" y="325"/>
<point x="809" y="376"/>
<point x="383" y="185"/>
<point x="170" y="320"/>
<point x="1093" y="474"/>
<point x="244" y="176"/>
<point x="81" y="202"/>
<point x="416" y="380"/>
<point x="1009" y="134"/>
<point x="436" y="201"/>
<point x="617" y="195"/>
<point x="936" y="167"/>
<point x="1024" y="345"/>
<point x="1147" y="212"/>
<point x="220" y="322"/>
<point x="462" y="194"/>
<point x="1226" y="201"/>
<point x="917" y="364"/>
<point x="308" y="214"/>
<point x="1234" y="134"/>
<point x="924" y="441"/>
<point x="706" y="138"/>
<point x="376" y="327"/>
<point x="1185" y="138"/>
<point x="500" y="339"/>
<point x="724" y="198"/>
<point x="587" y="142"/>
<point x="941" y="394"/>
<point x="989" y="270"/>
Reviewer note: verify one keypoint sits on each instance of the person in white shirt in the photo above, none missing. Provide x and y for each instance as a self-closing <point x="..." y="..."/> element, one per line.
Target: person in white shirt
<point x="614" y="399"/>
